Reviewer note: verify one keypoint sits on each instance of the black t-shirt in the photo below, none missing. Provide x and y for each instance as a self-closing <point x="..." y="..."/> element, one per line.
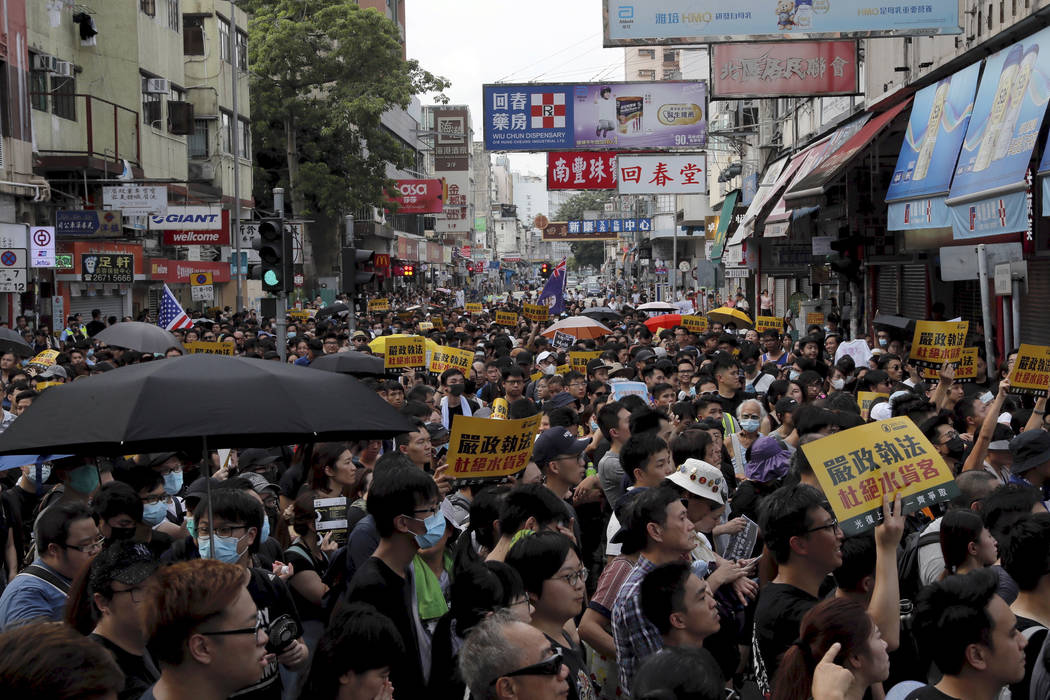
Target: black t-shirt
<point x="294" y="555"/>
<point x="381" y="587"/>
<point x="273" y="599"/>
<point x="729" y="405"/>
<point x="778" y="617"/>
<point x="1031" y="654"/>
<point x="19" y="506"/>
<point x="292" y="481"/>
<point x="139" y="671"/>
<point x="928" y="692"/>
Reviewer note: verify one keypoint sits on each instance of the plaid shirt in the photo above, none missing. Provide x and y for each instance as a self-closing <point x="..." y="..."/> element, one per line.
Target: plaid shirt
<point x="635" y="637"/>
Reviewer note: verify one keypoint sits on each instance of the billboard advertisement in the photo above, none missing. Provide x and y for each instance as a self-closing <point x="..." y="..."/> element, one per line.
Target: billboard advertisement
<point x="784" y="69"/>
<point x="595" y="116"/>
<point x="934" y="135"/>
<point x="458" y="215"/>
<point x="420" y="196"/>
<point x="581" y="170"/>
<point x="701" y="22"/>
<point x="662" y="173"/>
<point x="452" y="139"/>
<point x="594" y="229"/>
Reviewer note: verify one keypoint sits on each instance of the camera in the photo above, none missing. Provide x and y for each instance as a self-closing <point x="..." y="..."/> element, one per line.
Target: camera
<point x="282" y="632"/>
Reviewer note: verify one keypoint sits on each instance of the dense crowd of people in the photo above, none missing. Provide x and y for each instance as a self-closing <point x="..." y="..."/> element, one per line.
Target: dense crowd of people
<point x="669" y="543"/>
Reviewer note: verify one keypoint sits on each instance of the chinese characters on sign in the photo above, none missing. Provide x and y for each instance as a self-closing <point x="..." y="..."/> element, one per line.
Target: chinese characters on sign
<point x="452" y="147"/>
<point x="1031" y="372"/>
<point x="136" y="200"/>
<point x="105" y="267"/>
<point x="506" y="318"/>
<point x="784" y="69"/>
<point x="483" y="447"/>
<point x="578" y="360"/>
<point x="937" y="342"/>
<point x="773" y="323"/>
<point x="966" y="370"/>
<point x="594" y="229"/>
<point x="378" y="305"/>
<point x="662" y="173"/>
<point x="535" y="312"/>
<point x="447" y="358"/>
<point x="471" y="307"/>
<point x="857" y="466"/>
<point x="88" y="222"/>
<point x="581" y="170"/>
<point x="405" y="353"/>
<point x="207" y="347"/>
<point x="695" y="324"/>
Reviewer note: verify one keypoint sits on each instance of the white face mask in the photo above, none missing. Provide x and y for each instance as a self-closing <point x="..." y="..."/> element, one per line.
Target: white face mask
<point x="837" y="384"/>
<point x="550" y="370"/>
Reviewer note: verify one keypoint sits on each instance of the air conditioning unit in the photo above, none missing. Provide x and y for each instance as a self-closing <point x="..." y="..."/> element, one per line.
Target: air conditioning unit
<point x="200" y="170"/>
<point x="157" y="85"/>
<point x="44" y="62"/>
<point x="64" y="68"/>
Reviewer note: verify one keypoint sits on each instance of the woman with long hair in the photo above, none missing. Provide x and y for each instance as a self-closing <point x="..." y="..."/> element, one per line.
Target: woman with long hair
<point x="334" y="473"/>
<point x="863" y="650"/>
<point x="966" y="543"/>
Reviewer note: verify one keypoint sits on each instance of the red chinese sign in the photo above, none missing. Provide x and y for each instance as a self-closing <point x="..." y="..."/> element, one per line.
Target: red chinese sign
<point x="581" y="170"/>
<point x="179" y="271"/>
<point x="784" y="69"/>
<point x="420" y="196"/>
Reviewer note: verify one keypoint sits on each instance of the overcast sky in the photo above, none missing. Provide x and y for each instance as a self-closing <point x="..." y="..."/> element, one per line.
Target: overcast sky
<point x="473" y="42"/>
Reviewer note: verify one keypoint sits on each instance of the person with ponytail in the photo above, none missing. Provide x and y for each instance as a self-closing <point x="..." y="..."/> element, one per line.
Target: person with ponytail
<point x="862" y="651"/>
<point x="966" y="543"/>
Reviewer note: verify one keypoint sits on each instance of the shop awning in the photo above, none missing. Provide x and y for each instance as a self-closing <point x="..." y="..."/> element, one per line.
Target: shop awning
<point x="770" y="185"/>
<point x="923" y="175"/>
<point x="988" y="196"/>
<point x="779" y="218"/>
<point x="724" y="219"/>
<point x="815" y="184"/>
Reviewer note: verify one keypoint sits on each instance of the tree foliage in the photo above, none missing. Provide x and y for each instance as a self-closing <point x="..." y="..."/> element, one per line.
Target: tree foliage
<point x="323" y="72"/>
<point x="585" y="253"/>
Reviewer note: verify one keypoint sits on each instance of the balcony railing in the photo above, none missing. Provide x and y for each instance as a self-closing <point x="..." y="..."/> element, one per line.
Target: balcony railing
<point x="101" y="129"/>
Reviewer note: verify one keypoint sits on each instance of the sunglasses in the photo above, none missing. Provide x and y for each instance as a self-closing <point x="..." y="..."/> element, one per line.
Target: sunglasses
<point x="547" y="667"/>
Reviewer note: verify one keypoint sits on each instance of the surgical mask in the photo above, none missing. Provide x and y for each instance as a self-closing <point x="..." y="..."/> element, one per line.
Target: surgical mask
<point x="837" y="384"/>
<point x="190" y="527"/>
<point x="750" y="425"/>
<point x="121" y="533"/>
<point x="956" y="446"/>
<point x="793" y="375"/>
<point x="290" y="334"/>
<point x="455" y="389"/>
<point x="45" y="472"/>
<point x="225" y="548"/>
<point x="827" y="329"/>
<point x="265" y="530"/>
<point x="435" y="531"/>
<point x="550" y="370"/>
<point x="84" y="479"/>
<point x="154" y="513"/>
<point x="883" y="342"/>
<point x="173" y="482"/>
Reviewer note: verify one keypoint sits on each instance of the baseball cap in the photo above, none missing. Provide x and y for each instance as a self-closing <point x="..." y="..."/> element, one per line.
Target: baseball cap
<point x="359" y="334"/>
<point x="254" y="457"/>
<point x="1001" y="437"/>
<point x="124" y="562"/>
<point x="1031" y="448"/>
<point x="557" y="441"/>
<point x="438" y="433"/>
<point x="259" y="482"/>
<point x="155" y="459"/>
<point x="562" y="398"/>
<point x="644" y="356"/>
<point x="700" y="479"/>
<point x="55" y="371"/>
<point x="598" y="363"/>
<point x="544" y="356"/>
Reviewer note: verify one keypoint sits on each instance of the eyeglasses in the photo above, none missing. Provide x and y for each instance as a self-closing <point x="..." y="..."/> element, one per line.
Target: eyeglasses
<point x="153" y="500"/>
<point x="948" y="437"/>
<point x="601" y="394"/>
<point x="547" y="667"/>
<point x="260" y="626"/>
<point x="577" y="383"/>
<point x="92" y="548"/>
<point x="425" y="511"/>
<point x="578" y="576"/>
<point x="224" y="531"/>
<point x="833" y="524"/>
<point x="137" y="594"/>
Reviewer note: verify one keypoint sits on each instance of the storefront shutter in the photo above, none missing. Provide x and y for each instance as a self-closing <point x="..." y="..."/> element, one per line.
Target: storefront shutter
<point x="887" y="287"/>
<point x="108" y="303"/>
<point x="1035" y="320"/>
<point x="780" y="295"/>
<point x="914" y="292"/>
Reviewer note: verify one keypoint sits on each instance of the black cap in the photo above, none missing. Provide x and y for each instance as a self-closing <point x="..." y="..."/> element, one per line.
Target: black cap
<point x="124" y="562"/>
<point x="643" y="356"/>
<point x="557" y="441"/>
<point x="1031" y="449"/>
<point x="254" y="457"/>
<point x="155" y="459"/>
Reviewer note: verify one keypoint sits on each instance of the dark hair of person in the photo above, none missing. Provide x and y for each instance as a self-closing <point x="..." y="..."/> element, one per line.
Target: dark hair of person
<point x="663" y="592"/>
<point x="784" y="514"/>
<point x="690" y="443"/>
<point x="679" y="673"/>
<point x="638" y="449"/>
<point x="684" y="411"/>
<point x="530" y="500"/>
<point x="609" y="418"/>
<point x="834" y="620"/>
<point x="538" y="556"/>
<point x="233" y="506"/>
<point x="116" y="498"/>
<point x="360" y="639"/>
<point x="1006" y="505"/>
<point x="54" y="661"/>
<point x="777" y="390"/>
<point x="1026" y="556"/>
<point x="484" y="512"/>
<point x="959" y="528"/>
<point x="521" y="408"/>
<point x="858" y="561"/>
<point x="139" y="478"/>
<point x="398" y="491"/>
<point x="951" y="614"/>
<point x="479" y="589"/>
<point x="402" y="439"/>
<point x="645" y="420"/>
<point x="325" y="455"/>
<point x="639" y="508"/>
<point x="561" y="417"/>
<point x="303" y="512"/>
<point x="52" y="525"/>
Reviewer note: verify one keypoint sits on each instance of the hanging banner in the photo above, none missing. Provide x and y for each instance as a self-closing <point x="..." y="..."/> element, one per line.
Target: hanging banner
<point x="482" y="447"/>
<point x="695" y="324"/>
<point x="937" y="342"/>
<point x="1031" y="372"/>
<point x="662" y="173"/>
<point x="581" y="170"/>
<point x="408" y="352"/>
<point x="209" y="347"/>
<point x="578" y="360"/>
<point x="784" y="69"/>
<point x="420" y="196"/>
<point x="506" y="318"/>
<point x="378" y="305"/>
<point x="595" y="116"/>
<point x="988" y="191"/>
<point x="448" y="358"/>
<point x="535" y="312"/>
<point x="697" y="22"/>
<point x="856" y="467"/>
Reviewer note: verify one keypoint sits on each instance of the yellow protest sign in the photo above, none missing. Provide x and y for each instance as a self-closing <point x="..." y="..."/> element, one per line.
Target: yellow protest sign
<point x="446" y="358"/>
<point x="506" y="318"/>
<point x="578" y="360"/>
<point x="856" y="467"/>
<point x="535" y="375"/>
<point x="408" y="352"/>
<point x="563" y="369"/>
<point x="378" y="305"/>
<point x="439" y="323"/>
<point x="500" y="409"/>
<point x="40" y="386"/>
<point x="472" y="307"/>
<point x="299" y="316"/>
<point x="45" y="358"/>
<point x="405" y="315"/>
<point x="425" y="326"/>
<point x="814" y="319"/>
<point x="773" y="323"/>
<point x="481" y="447"/>
<point x="966" y="370"/>
<point x="695" y="324"/>
<point x="209" y="347"/>
<point x="535" y="312"/>
<point x="937" y="342"/>
<point x="866" y="398"/>
<point x="1031" y="372"/>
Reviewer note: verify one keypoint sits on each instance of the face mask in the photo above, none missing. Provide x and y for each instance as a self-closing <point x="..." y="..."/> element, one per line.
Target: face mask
<point x="45" y="473"/>
<point x="883" y="342"/>
<point x="290" y="334"/>
<point x="837" y="384"/>
<point x="84" y="478"/>
<point x="265" y="529"/>
<point x="956" y="446"/>
<point x="750" y="425"/>
<point x="173" y="483"/>
<point x="154" y="513"/>
<point x="190" y="527"/>
<point x="793" y="375"/>
<point x="455" y="389"/>
<point x="121" y="533"/>
<point x="225" y="548"/>
<point x="827" y="329"/>
<point x="435" y="531"/>
<point x="550" y="370"/>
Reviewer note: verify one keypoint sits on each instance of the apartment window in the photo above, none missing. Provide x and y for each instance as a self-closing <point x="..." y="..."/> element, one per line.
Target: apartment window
<point x="647" y="75"/>
<point x="193" y="35"/>
<point x="670" y="74"/>
<point x="198" y="140"/>
<point x="246" y="139"/>
<point x="226" y="132"/>
<point x="989" y="16"/>
<point x="242" y="50"/>
<point x="38" y="88"/>
<point x="148" y="7"/>
<point x="670" y="56"/>
<point x="63" y="97"/>
<point x="646" y="53"/>
<point x="176" y="94"/>
<point x="151" y="104"/>
<point x="173" y="15"/>
<point x="224" y="39"/>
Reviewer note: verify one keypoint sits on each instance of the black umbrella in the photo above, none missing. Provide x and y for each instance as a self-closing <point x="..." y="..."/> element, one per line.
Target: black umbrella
<point x="354" y="363"/>
<point x="12" y="341"/>
<point x="135" y="335"/>
<point x="897" y="323"/>
<point x="601" y="313"/>
<point x="199" y="401"/>
<point x="337" y="309"/>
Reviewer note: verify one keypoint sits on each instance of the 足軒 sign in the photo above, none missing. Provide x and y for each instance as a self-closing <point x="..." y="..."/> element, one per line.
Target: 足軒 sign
<point x="408" y="352"/>
<point x="107" y="267"/>
<point x="662" y="173"/>
<point x="1031" y="372"/>
<point x="482" y="447"/>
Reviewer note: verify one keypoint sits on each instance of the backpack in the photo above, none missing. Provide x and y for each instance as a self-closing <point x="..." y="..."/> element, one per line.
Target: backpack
<point x="908" y="563"/>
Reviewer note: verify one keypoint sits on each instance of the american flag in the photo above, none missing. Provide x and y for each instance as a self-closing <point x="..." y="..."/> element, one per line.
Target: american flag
<point x="171" y="315"/>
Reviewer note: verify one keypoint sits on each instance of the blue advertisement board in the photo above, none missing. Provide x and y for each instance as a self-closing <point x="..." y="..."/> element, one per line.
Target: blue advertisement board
<point x="595" y="116"/>
<point x="645" y="22"/>
<point x="1044" y="178"/>
<point x="934" y="136"/>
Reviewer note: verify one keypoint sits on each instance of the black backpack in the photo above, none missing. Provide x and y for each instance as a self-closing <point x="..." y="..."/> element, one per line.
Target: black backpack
<point x="908" y="562"/>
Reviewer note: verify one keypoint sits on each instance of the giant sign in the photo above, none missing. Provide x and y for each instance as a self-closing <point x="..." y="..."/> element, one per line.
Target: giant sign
<point x="581" y="170"/>
<point x="784" y="69"/>
<point x="701" y="22"/>
<point x="420" y="196"/>
<point x="595" y="116"/>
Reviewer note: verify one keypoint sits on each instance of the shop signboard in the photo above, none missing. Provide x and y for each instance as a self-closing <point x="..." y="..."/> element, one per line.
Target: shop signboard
<point x="581" y="170"/>
<point x="662" y="173"/>
<point x="784" y="69"/>
<point x="420" y="196"/>
<point x="594" y="229"/>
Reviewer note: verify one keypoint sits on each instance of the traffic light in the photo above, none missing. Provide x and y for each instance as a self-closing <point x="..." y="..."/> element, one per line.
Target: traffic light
<point x="470" y="268"/>
<point x="275" y="251"/>
<point x="359" y="266"/>
<point x="850" y="253"/>
<point x="545" y="270"/>
<point x="408" y="270"/>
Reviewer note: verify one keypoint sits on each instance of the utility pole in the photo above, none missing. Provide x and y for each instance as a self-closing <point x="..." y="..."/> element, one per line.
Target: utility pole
<point x="282" y="296"/>
<point x="235" y="224"/>
<point x="351" y="277"/>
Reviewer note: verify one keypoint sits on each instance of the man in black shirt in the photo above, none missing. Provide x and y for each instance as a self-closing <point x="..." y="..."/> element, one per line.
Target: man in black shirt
<point x="403" y="501"/>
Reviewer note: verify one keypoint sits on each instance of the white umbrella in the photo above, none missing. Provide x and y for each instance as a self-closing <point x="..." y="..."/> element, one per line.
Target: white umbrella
<point x="660" y="306"/>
